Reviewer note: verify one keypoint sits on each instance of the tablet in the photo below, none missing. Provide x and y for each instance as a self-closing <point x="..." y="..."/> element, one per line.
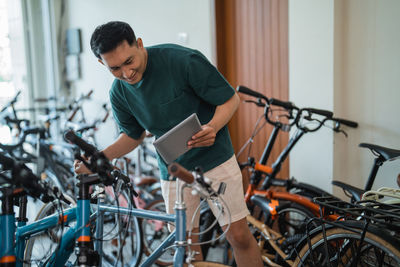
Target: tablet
<point x="173" y="143"/>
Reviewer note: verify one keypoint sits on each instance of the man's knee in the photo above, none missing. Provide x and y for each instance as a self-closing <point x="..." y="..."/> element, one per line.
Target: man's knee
<point x="239" y="235"/>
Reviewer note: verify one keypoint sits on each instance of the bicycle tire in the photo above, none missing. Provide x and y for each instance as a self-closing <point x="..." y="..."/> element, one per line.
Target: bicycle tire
<point x="61" y="177"/>
<point x="154" y="232"/>
<point x="48" y="240"/>
<point x="339" y="238"/>
<point x="291" y="221"/>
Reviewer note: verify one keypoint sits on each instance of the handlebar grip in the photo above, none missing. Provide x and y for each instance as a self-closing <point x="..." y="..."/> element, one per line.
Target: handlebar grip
<point x="105" y="117"/>
<point x="89" y="94"/>
<point x="180" y="172"/>
<point x="73" y="113"/>
<point x="244" y="90"/>
<point x="34" y="130"/>
<point x="263" y="168"/>
<point x="82" y="144"/>
<point x="283" y="104"/>
<point x="351" y="124"/>
<point x="321" y="112"/>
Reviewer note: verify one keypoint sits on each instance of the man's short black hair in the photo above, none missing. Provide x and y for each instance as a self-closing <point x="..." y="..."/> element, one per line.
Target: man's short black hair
<point x="107" y="37"/>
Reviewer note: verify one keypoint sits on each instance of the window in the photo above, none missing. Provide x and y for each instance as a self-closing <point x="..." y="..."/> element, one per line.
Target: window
<point x="7" y="88"/>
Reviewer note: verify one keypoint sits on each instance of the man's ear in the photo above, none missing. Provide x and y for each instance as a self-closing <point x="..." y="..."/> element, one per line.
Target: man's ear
<point x="101" y="61"/>
<point x="139" y="42"/>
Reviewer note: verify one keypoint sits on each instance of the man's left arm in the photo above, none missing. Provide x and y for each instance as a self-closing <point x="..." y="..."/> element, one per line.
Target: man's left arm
<point x="223" y="113"/>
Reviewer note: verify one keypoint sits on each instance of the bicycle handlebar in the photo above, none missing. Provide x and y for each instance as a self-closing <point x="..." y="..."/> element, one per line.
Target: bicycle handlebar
<point x="348" y="123"/>
<point x="23" y="176"/>
<point x="82" y="144"/>
<point x="309" y="117"/>
<point x="284" y="104"/>
<point x="322" y="112"/>
<point x="244" y="90"/>
<point x="99" y="163"/>
<point x="180" y="172"/>
<point x="24" y="134"/>
<point x="12" y="102"/>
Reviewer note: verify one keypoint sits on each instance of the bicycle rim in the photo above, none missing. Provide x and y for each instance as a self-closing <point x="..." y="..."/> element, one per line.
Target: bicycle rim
<point x="39" y="248"/>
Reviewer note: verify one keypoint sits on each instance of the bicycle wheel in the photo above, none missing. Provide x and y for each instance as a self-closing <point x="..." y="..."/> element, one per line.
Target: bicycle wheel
<point x="60" y="176"/>
<point x="154" y="233"/>
<point x="341" y="248"/>
<point x="291" y="221"/>
<point x="40" y="247"/>
<point x="122" y="234"/>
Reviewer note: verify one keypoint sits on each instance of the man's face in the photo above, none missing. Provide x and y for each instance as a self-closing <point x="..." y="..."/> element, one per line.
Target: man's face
<point x="126" y="62"/>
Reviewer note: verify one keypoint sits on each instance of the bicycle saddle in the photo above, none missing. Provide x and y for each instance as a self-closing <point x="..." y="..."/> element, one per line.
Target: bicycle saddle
<point x="386" y="153"/>
<point x="354" y="191"/>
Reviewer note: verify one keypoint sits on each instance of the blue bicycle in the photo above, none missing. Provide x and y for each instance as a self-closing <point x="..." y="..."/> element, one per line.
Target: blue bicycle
<point x="81" y="239"/>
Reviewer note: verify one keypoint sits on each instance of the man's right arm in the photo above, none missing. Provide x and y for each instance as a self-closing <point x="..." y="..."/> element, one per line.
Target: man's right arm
<point x="122" y="146"/>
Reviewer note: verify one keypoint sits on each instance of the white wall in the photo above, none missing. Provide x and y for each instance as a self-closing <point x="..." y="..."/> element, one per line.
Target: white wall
<point x="311" y="85"/>
<point x="367" y="87"/>
<point x="155" y="21"/>
<point x="344" y="55"/>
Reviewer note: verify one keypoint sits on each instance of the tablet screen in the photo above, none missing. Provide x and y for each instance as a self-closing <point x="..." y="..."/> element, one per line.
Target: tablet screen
<point x="173" y="143"/>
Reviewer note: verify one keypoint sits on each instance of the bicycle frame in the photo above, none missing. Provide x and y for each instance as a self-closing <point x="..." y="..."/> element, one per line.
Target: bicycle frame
<point x="81" y="231"/>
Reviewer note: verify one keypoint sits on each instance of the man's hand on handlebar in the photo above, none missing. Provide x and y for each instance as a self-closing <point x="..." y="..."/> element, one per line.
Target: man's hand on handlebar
<point x="80" y="167"/>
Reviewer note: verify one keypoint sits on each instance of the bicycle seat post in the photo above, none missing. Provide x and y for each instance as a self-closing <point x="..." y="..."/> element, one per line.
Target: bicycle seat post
<point x="372" y="175"/>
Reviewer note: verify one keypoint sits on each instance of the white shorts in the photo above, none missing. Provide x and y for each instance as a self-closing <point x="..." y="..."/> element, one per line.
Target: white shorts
<point x="229" y="173"/>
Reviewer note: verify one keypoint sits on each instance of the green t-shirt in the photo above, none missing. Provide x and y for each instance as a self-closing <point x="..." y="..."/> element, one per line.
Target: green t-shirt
<point x="177" y="82"/>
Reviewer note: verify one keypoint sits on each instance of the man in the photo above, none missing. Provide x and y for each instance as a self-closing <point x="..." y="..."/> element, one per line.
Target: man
<point x="155" y="89"/>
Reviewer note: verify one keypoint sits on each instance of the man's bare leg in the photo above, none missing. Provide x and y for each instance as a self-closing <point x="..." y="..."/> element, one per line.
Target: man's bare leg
<point x="245" y="248"/>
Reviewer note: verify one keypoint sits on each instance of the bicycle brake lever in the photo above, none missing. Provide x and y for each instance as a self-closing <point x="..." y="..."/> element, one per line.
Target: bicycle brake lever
<point x="258" y="103"/>
<point x="343" y="132"/>
<point x="337" y="129"/>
